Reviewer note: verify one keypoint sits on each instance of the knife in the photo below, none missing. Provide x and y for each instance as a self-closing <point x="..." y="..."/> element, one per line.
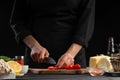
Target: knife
<point x="49" y="60"/>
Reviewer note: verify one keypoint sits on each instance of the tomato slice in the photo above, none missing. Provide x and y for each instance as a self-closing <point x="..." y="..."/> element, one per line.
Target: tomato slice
<point x="77" y="66"/>
<point x="53" y="68"/>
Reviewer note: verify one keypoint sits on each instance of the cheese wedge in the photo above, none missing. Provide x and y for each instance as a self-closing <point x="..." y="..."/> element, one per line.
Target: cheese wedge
<point x="101" y="61"/>
<point x="105" y="64"/>
<point x="93" y="61"/>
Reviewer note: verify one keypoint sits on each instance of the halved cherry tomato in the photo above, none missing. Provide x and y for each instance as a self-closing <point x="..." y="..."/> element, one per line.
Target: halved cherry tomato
<point x="53" y="68"/>
<point x="69" y="67"/>
<point x="77" y="66"/>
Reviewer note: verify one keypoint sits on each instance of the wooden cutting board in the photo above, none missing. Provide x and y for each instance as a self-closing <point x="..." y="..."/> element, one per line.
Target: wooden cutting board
<point x="59" y="71"/>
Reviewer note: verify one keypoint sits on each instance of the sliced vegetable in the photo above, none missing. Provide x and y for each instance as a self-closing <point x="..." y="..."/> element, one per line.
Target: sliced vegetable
<point x="76" y="66"/>
<point x="67" y="67"/>
<point x="53" y="68"/>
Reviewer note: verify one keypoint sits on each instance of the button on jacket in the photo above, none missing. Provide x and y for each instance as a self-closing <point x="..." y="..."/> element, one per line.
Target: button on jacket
<point x="55" y="24"/>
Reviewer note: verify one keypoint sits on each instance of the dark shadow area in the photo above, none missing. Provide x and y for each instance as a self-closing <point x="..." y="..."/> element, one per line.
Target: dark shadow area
<point x="106" y="25"/>
<point x="8" y="45"/>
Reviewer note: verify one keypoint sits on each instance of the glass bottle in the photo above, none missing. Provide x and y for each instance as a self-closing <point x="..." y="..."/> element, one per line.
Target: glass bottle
<point x="111" y="49"/>
<point x="20" y="59"/>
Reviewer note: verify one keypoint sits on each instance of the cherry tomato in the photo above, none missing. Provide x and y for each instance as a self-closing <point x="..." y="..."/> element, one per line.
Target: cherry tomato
<point x="69" y="67"/>
<point x="66" y="67"/>
<point x="77" y="66"/>
<point x="53" y="68"/>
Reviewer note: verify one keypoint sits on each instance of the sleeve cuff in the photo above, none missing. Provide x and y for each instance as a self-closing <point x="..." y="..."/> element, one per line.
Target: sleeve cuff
<point x="20" y="36"/>
<point x="81" y="41"/>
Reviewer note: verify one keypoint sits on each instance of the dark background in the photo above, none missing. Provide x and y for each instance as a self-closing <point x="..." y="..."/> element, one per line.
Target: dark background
<point x="106" y="24"/>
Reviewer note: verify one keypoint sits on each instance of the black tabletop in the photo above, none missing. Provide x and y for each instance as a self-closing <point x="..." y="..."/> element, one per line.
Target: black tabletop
<point x="66" y="77"/>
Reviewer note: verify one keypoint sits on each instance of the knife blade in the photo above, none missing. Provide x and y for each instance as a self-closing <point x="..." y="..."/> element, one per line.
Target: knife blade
<point x="49" y="60"/>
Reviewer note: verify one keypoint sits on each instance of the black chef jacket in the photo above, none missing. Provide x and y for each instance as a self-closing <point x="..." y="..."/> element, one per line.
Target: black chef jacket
<point x="55" y="24"/>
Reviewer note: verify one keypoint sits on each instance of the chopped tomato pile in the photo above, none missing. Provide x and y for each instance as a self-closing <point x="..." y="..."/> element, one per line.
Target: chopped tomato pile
<point x="67" y="67"/>
<point x="76" y="66"/>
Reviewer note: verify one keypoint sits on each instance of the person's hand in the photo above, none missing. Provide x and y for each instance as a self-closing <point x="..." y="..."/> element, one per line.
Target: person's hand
<point x="64" y="60"/>
<point x="68" y="58"/>
<point x="38" y="53"/>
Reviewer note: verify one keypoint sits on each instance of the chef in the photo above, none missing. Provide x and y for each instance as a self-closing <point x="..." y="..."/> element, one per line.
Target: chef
<point x="60" y="29"/>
